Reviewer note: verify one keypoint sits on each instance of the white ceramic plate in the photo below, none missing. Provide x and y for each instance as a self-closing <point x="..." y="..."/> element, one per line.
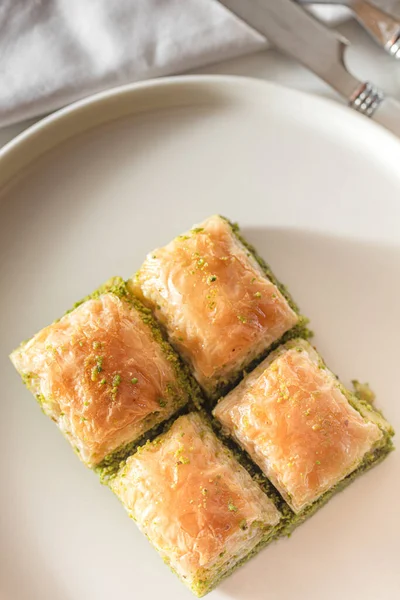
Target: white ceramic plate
<point x="85" y="194"/>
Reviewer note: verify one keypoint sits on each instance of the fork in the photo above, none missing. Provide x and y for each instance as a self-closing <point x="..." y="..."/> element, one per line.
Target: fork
<point x="382" y="26"/>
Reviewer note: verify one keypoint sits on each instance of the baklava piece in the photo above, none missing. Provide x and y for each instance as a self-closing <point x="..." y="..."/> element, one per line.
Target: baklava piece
<point x="104" y="373"/>
<point x="305" y="431"/>
<point x="198" y="507"/>
<point x="220" y="304"/>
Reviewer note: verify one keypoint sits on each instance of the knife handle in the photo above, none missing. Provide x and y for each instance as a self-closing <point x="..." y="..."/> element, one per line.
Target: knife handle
<point x="366" y="99"/>
<point x="371" y="102"/>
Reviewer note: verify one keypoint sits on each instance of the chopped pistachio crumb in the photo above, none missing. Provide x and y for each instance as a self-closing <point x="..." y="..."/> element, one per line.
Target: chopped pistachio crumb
<point x="134" y="380"/>
<point x="212" y="278"/>
<point x="115" y="382"/>
<point x="162" y="402"/>
<point x="253" y="280"/>
<point x="204" y="491"/>
<point x="257" y="295"/>
<point x="198" y="229"/>
<point x="232" y="507"/>
<point x="242" y="319"/>
<point x="243" y="524"/>
<point x="153" y="256"/>
<point x="97" y="368"/>
<point x="96" y="345"/>
<point x="317" y="462"/>
<point x="103" y="381"/>
<point x="362" y="391"/>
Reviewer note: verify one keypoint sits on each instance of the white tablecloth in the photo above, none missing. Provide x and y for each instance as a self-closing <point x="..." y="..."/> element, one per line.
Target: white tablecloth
<point x="25" y="92"/>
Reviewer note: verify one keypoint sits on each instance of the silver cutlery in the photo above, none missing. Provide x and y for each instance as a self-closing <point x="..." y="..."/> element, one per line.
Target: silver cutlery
<point x="297" y="33"/>
<point x="382" y="26"/>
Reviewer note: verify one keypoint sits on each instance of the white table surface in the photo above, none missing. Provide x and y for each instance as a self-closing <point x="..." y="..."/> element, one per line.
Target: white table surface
<point x="365" y="59"/>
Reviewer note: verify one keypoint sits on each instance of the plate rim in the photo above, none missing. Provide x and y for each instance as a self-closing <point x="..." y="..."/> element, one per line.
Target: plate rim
<point x="16" y="154"/>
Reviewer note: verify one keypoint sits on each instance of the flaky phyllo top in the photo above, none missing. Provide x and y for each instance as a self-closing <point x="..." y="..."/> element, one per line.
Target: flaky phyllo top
<point x="195" y="503"/>
<point x="293" y="417"/>
<point x="219" y="308"/>
<point x="102" y="375"/>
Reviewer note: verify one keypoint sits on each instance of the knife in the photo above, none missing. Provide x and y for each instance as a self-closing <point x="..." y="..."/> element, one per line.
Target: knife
<point x="300" y="35"/>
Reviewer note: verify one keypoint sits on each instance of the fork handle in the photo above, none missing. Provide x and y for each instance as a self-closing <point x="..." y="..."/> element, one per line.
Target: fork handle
<point x="382" y="26"/>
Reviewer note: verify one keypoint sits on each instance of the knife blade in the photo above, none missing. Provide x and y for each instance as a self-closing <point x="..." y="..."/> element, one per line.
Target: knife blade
<point x="300" y="35"/>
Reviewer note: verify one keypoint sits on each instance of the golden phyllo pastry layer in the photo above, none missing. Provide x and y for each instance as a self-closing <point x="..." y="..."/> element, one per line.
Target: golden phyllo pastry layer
<point x="102" y="373"/>
<point x="218" y="306"/>
<point x="199" y="508"/>
<point x="294" y="419"/>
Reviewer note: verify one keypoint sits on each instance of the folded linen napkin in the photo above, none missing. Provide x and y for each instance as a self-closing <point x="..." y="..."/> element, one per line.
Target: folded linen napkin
<point x="55" y="51"/>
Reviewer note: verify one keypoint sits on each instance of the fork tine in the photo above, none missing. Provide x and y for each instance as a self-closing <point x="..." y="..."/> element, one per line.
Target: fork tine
<point x="383" y="26"/>
<point x="394" y="46"/>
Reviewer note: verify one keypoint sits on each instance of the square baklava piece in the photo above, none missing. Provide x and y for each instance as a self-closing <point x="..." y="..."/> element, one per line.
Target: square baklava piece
<point x="218" y="301"/>
<point x="104" y="373"/>
<point x="195" y="503"/>
<point x="306" y="432"/>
